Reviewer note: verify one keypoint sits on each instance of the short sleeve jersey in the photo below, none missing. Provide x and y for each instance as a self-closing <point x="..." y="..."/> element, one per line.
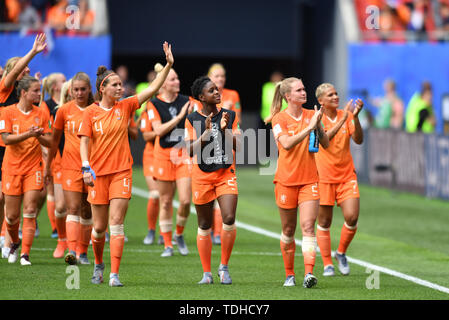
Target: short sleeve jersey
<point x="7" y="97"/>
<point x="295" y="166"/>
<point x="232" y="96"/>
<point x="335" y="164"/>
<point x="215" y="159"/>
<point x="145" y="126"/>
<point x="26" y="156"/>
<point x="108" y="131"/>
<point x="68" y="119"/>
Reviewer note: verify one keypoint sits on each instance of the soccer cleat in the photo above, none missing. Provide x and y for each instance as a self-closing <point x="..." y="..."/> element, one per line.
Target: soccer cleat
<point x="25" y="260"/>
<point x="54" y="234"/>
<point x="290" y="281"/>
<point x="2" y="241"/>
<point x="61" y="247"/>
<point x="114" y="280"/>
<point x="207" y="278"/>
<point x="329" y="271"/>
<point x="160" y="240"/>
<point x="13" y="252"/>
<point x="343" y="265"/>
<point x="20" y="234"/>
<point x="97" y="277"/>
<point x="5" y="253"/>
<point x="168" y="252"/>
<point x="223" y="274"/>
<point x="83" y="259"/>
<point x="149" y="239"/>
<point x="309" y="281"/>
<point x="182" y="247"/>
<point x="106" y="237"/>
<point x="70" y="257"/>
<point x="216" y="240"/>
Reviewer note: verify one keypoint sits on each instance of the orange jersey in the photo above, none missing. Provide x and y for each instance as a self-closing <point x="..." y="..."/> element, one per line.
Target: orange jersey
<point x="220" y="165"/>
<point x="295" y="166"/>
<point x="160" y="152"/>
<point x="4" y="95"/>
<point x="145" y="126"/>
<point x="23" y="157"/>
<point x="335" y="163"/>
<point x="108" y="131"/>
<point x="231" y="97"/>
<point x="68" y="119"/>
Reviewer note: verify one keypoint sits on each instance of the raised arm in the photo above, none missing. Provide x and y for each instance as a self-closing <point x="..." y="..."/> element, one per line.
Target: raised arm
<point x="159" y="81"/>
<point x="357" y="135"/>
<point x="333" y="131"/>
<point x="38" y="46"/>
<point x="161" y="129"/>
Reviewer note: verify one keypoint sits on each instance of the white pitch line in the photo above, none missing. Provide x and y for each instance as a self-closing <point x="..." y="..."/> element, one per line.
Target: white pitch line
<point x="144" y="193"/>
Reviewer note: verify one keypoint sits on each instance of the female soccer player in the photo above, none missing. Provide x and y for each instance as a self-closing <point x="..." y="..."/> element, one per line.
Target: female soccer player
<point x="172" y="165"/>
<point x="148" y="171"/>
<point x="107" y="166"/>
<point x="338" y="179"/>
<point x="230" y="100"/>
<point x="69" y="116"/>
<point x="56" y="209"/>
<point x="15" y="69"/>
<point x="296" y="178"/>
<point x="24" y="128"/>
<point x="212" y="136"/>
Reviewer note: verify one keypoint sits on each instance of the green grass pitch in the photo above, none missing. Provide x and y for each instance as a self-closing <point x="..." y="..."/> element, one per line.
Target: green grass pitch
<point x="403" y="232"/>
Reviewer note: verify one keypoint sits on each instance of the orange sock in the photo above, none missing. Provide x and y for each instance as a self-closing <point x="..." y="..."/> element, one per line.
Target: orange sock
<point x="28" y="230"/>
<point x="167" y="239"/>
<point x="324" y="243"/>
<point x="309" y="253"/>
<point x="152" y="212"/>
<point x="288" y="248"/>
<point x="204" y="244"/>
<point x="165" y="227"/>
<point x="3" y="228"/>
<point x="347" y="234"/>
<point x="60" y="225"/>
<point x="218" y="221"/>
<point x="51" y="212"/>
<point x="180" y="224"/>
<point x="228" y="235"/>
<point x="98" y="245"/>
<point x="73" y="231"/>
<point x="13" y="231"/>
<point x="85" y="231"/>
<point x="116" y="244"/>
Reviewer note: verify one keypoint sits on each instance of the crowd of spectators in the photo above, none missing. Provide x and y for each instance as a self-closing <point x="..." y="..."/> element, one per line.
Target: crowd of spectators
<point x="68" y="17"/>
<point x="403" y="20"/>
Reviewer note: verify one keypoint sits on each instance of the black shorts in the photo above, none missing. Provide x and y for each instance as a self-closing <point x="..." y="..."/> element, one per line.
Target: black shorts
<point x="2" y="154"/>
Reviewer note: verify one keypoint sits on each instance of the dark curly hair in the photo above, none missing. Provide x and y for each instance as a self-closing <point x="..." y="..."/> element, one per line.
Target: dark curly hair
<point x="198" y="85"/>
<point x="102" y="72"/>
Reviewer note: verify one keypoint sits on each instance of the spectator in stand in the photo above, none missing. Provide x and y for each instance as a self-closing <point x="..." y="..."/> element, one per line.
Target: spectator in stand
<point x="391" y="108"/>
<point x="128" y="85"/>
<point x="444" y="13"/>
<point x="29" y="18"/>
<point x="417" y="15"/>
<point x="13" y="10"/>
<point x="420" y="116"/>
<point x="57" y="16"/>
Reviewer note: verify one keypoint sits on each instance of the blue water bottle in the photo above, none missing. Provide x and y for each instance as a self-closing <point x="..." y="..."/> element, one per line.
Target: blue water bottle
<point x="313" y="141"/>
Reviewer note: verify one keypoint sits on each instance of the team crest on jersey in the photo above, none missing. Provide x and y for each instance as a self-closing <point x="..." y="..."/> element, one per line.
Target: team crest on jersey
<point x="307" y="121"/>
<point x="118" y="114"/>
<point x="37" y="120"/>
<point x="173" y="111"/>
<point x="69" y="182"/>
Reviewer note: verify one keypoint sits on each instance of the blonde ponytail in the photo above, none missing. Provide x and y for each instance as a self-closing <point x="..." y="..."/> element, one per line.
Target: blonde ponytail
<point x="44" y="89"/>
<point x="281" y="89"/>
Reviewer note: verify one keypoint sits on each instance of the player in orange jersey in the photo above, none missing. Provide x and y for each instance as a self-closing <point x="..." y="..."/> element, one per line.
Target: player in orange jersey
<point x="230" y="100"/>
<point x="56" y="211"/>
<point x="167" y="113"/>
<point x="15" y="69"/>
<point x="338" y="179"/>
<point x="24" y="128"/>
<point x="69" y="116"/>
<point x="296" y="177"/>
<point x="212" y="137"/>
<point x="148" y="171"/>
<point x="107" y="166"/>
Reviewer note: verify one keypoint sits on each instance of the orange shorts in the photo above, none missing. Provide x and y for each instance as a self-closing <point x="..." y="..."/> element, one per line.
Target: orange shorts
<point x="331" y="192"/>
<point x="110" y="186"/>
<point x="148" y="166"/>
<point x="72" y="180"/>
<point x="166" y="170"/>
<point x="289" y="197"/>
<point x="205" y="193"/>
<point x="57" y="169"/>
<point x="16" y="185"/>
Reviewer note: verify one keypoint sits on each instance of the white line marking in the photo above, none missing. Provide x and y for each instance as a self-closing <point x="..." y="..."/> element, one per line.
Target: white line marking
<point x="144" y="193"/>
